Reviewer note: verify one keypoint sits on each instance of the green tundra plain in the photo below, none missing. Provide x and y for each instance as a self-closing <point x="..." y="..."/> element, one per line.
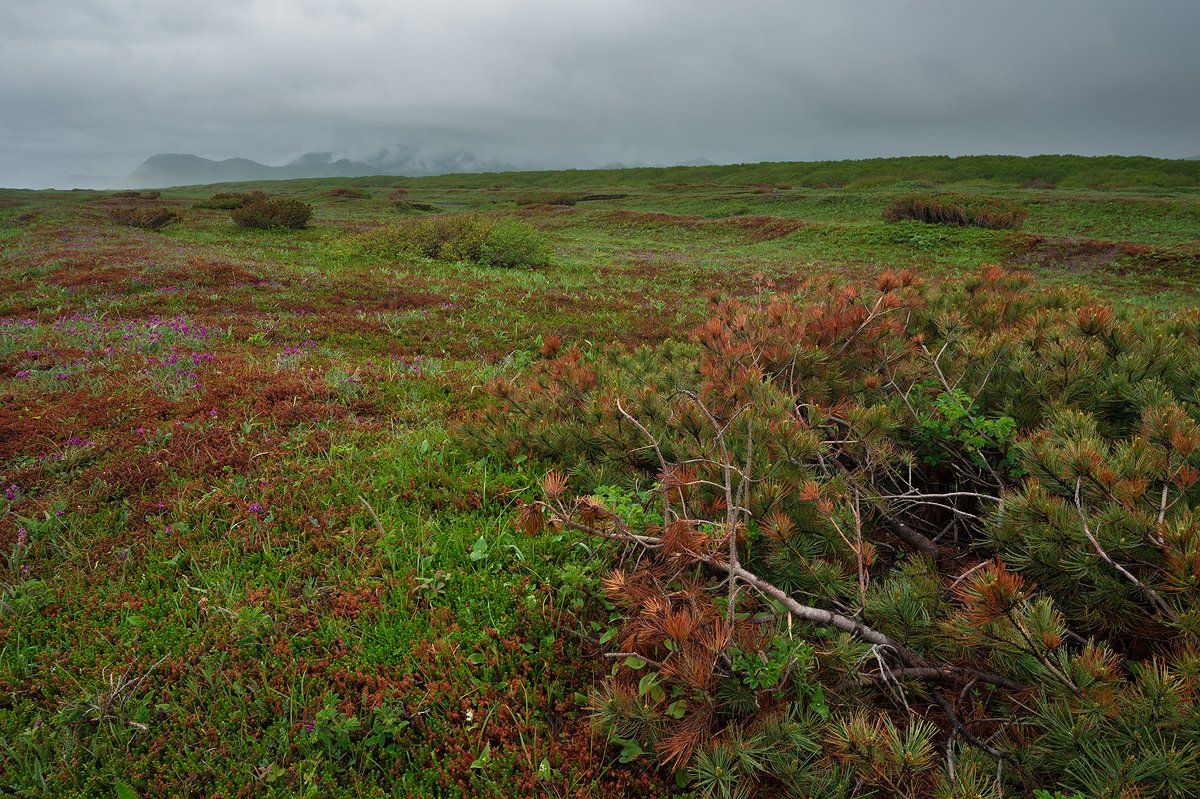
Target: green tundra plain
<point x="252" y="540"/>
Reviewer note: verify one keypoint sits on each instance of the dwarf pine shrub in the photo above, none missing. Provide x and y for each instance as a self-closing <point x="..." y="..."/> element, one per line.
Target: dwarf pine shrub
<point x="272" y="213"/>
<point x="897" y="540"/>
<point x="956" y="210"/>
<point x="228" y="200"/>
<point x="148" y="218"/>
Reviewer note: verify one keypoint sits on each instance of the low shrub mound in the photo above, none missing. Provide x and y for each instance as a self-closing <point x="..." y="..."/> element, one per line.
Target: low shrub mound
<point x="504" y="242"/>
<point x="268" y="214"/>
<point x="892" y="540"/>
<point x="142" y="217"/>
<point x="136" y="195"/>
<point x="399" y="200"/>
<point x="958" y="210"/>
<point x="1038" y="183"/>
<point x="347" y="193"/>
<point x="546" y="198"/>
<point x="413" y="207"/>
<point x="588" y="198"/>
<point x="228" y="200"/>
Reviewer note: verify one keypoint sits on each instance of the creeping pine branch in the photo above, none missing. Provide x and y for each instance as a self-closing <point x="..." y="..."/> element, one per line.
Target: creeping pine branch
<point x="901" y="530"/>
<point x="1155" y="597"/>
<point x="919" y="667"/>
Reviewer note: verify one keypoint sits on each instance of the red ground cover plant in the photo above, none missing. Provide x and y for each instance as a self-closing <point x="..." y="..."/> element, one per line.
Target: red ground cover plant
<point x="347" y="193"/>
<point x="894" y="539"/>
<point x="168" y="420"/>
<point x="754" y="228"/>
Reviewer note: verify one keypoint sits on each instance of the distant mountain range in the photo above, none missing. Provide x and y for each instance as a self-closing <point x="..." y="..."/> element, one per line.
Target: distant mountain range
<point x="182" y="169"/>
<point x="175" y="169"/>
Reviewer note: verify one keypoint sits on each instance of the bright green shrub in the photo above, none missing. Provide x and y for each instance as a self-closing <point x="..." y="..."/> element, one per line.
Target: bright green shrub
<point x="512" y="243"/>
<point x="457" y="237"/>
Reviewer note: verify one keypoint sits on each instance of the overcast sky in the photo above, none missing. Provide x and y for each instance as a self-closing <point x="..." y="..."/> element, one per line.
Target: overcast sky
<point x="95" y="86"/>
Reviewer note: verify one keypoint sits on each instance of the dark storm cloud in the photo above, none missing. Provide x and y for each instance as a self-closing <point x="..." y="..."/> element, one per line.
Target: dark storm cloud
<point x="94" y="87"/>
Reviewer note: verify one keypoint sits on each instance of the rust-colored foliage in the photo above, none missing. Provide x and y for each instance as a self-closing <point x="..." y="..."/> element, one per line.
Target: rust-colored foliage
<point x="959" y="487"/>
<point x="142" y="217"/>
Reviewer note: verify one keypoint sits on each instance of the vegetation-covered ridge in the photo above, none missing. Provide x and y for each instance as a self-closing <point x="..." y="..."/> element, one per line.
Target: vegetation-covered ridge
<point x="1068" y="171"/>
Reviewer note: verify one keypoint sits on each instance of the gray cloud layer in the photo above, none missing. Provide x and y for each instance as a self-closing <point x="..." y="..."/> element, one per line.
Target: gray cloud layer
<point x="95" y="86"/>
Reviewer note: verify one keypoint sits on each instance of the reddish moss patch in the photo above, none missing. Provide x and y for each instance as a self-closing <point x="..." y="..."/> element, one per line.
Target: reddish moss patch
<point x="751" y="228"/>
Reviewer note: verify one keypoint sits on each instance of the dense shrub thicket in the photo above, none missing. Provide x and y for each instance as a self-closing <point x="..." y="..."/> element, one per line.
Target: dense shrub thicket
<point x="891" y="541"/>
<point x="148" y="218"/>
<point x="228" y="200"/>
<point x="504" y="242"/>
<point x="956" y="210"/>
<point x="276" y="213"/>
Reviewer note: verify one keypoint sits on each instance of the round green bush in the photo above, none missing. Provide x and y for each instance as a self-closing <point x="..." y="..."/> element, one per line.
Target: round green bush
<point x="512" y="243"/>
<point x="507" y="242"/>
